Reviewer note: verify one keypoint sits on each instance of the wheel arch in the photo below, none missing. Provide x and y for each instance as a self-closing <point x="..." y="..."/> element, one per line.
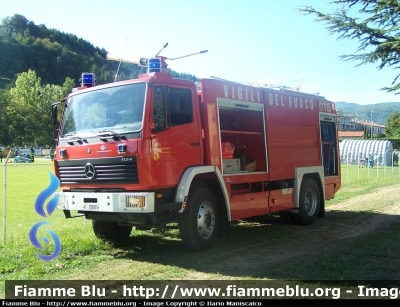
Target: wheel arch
<point x="317" y="174"/>
<point x="210" y="177"/>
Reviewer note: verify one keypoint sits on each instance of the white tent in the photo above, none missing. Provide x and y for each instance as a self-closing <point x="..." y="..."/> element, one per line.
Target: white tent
<point x="351" y="151"/>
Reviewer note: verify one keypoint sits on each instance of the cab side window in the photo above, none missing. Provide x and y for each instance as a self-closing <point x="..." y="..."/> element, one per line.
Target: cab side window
<point x="180" y="106"/>
<point x="172" y="107"/>
<point x="159" y="108"/>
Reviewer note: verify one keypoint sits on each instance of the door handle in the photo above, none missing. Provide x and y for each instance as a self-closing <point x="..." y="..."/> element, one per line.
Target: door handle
<point x="194" y="144"/>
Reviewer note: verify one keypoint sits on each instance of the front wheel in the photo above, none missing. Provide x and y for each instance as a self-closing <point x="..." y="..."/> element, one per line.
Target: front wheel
<point x="198" y="223"/>
<point x="309" y="203"/>
<point x="111" y="232"/>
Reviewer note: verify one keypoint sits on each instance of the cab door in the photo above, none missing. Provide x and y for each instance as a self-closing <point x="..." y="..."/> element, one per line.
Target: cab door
<point x="176" y="134"/>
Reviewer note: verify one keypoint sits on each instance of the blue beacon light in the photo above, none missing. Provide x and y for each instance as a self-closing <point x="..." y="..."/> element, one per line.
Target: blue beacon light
<point x="154" y="65"/>
<point x="87" y="79"/>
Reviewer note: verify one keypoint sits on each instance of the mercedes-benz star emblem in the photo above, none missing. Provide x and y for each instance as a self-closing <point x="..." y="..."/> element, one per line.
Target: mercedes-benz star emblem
<point x="89" y="171"/>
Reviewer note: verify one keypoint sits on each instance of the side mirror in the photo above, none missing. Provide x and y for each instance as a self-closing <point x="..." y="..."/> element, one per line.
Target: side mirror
<point x="55" y="134"/>
<point x="54" y="113"/>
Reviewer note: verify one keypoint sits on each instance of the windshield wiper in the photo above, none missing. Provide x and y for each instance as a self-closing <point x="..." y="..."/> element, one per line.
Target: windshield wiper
<point x="75" y="137"/>
<point x="109" y="134"/>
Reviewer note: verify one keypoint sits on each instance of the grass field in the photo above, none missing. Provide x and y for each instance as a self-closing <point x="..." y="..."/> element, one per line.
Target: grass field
<point x="84" y="256"/>
<point x="353" y="173"/>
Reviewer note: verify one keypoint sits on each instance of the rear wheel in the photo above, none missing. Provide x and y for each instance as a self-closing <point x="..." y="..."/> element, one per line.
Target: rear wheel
<point x="309" y="203"/>
<point x="111" y="231"/>
<point x="198" y="224"/>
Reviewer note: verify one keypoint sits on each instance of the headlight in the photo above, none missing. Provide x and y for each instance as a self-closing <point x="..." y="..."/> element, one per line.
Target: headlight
<point x="134" y="201"/>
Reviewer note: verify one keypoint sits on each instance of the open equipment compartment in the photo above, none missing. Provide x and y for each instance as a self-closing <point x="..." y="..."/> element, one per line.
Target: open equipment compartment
<point x="242" y="124"/>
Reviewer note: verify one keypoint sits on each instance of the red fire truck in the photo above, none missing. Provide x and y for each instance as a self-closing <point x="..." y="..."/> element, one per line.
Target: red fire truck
<point x="159" y="152"/>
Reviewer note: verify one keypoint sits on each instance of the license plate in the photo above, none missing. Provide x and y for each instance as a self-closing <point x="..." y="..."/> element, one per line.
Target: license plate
<point x="94" y="207"/>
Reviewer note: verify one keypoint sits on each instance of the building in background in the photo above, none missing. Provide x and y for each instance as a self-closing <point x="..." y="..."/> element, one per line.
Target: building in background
<point x="353" y="128"/>
<point x="5" y="30"/>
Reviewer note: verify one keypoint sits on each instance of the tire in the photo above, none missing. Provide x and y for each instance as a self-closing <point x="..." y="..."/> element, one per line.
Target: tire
<point x="198" y="224"/>
<point x="309" y="203"/>
<point x="111" y="232"/>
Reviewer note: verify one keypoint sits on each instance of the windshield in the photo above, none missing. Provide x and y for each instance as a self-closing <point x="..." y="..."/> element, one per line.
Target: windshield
<point x="118" y="109"/>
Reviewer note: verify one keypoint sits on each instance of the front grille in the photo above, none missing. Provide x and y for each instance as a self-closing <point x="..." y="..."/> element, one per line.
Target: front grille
<point x="107" y="171"/>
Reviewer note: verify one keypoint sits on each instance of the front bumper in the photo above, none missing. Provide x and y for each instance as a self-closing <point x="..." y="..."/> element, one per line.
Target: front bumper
<point x="139" y="202"/>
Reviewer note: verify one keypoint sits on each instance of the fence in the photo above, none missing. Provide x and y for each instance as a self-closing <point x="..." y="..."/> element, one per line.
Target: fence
<point x="22" y="183"/>
<point x="366" y="169"/>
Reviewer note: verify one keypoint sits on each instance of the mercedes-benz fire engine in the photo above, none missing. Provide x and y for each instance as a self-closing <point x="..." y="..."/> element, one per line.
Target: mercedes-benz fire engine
<point x="159" y="152"/>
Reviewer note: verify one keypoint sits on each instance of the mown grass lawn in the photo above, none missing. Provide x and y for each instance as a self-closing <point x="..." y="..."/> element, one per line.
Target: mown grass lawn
<point x="160" y="255"/>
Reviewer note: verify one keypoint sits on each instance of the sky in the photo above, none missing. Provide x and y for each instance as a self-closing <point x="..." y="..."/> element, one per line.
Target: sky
<point x="254" y="41"/>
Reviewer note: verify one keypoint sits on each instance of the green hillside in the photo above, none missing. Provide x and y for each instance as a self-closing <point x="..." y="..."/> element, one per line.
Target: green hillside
<point x="380" y="112"/>
<point x="55" y="55"/>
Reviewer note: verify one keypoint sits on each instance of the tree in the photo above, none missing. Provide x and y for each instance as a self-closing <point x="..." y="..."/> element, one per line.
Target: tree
<point x="4" y="136"/>
<point x="366" y="133"/>
<point x="68" y="85"/>
<point x="18" y="22"/>
<point x="376" y="27"/>
<point x="29" y="110"/>
<point x="44" y="130"/>
<point x="22" y="107"/>
<point x="392" y="127"/>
